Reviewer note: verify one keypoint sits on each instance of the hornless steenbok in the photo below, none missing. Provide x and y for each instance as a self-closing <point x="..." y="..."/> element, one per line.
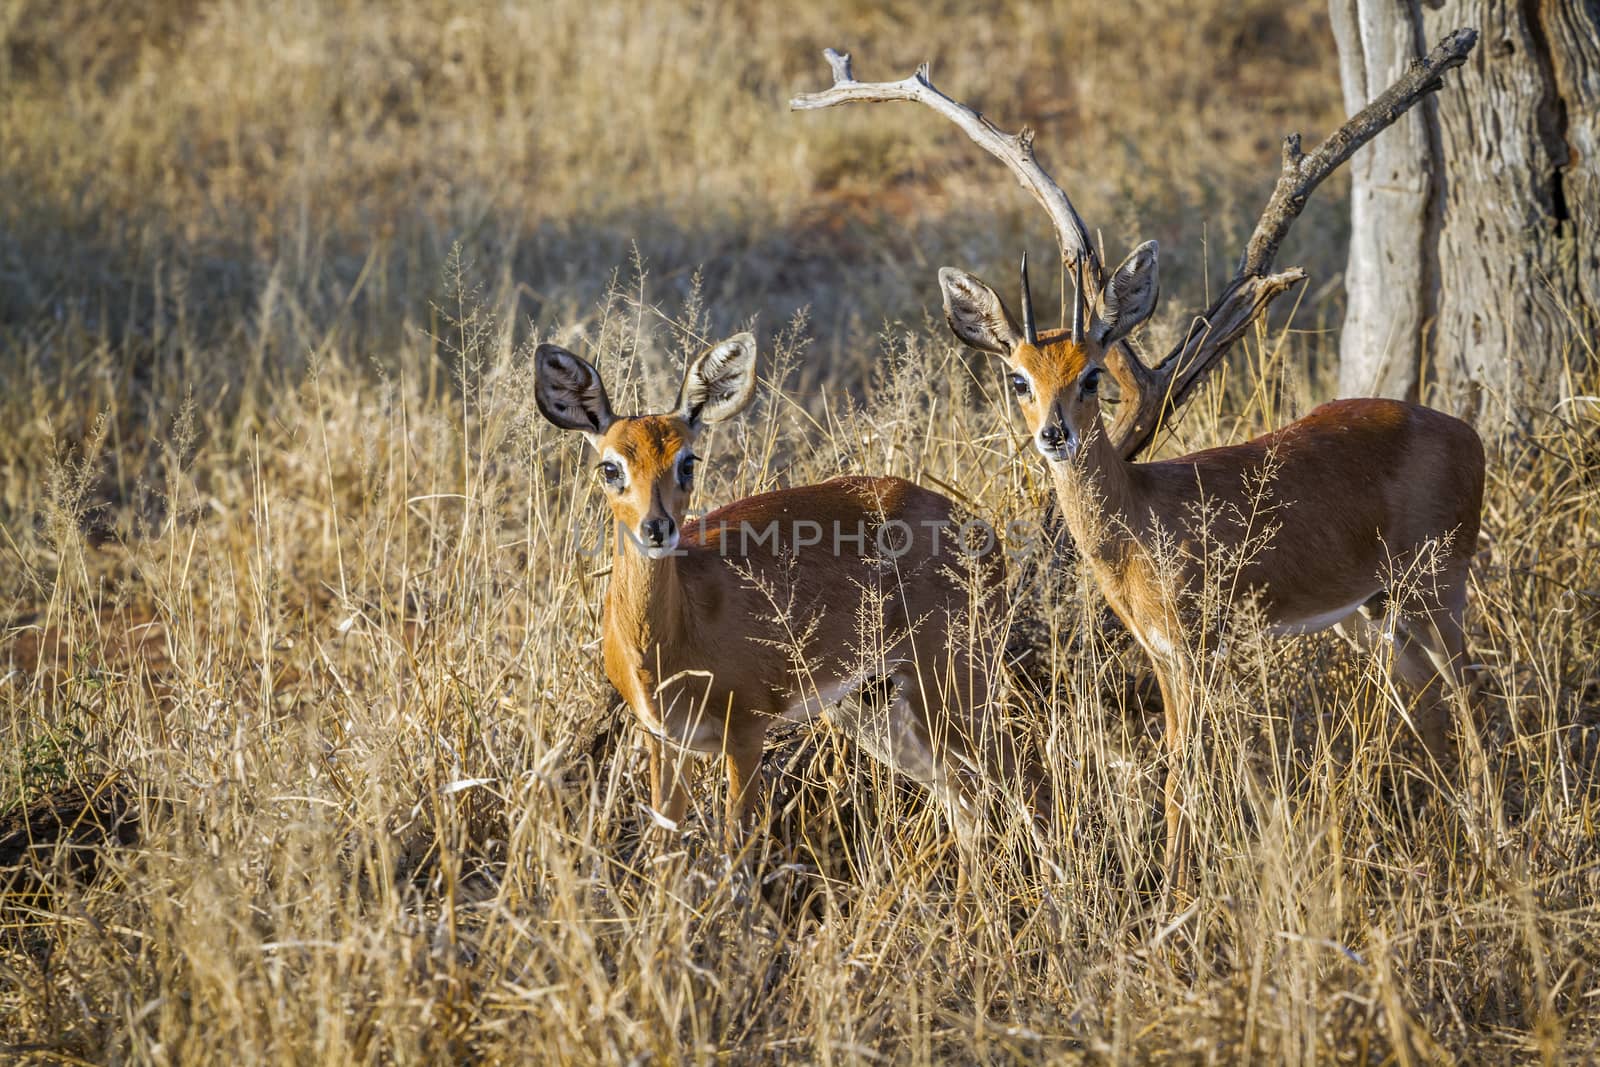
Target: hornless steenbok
<point x="1360" y="488"/>
<point x="855" y="593"/>
<point x="1310" y="522"/>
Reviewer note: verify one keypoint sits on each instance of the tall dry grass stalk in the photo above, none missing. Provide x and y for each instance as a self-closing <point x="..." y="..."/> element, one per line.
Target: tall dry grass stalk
<point x="302" y="597"/>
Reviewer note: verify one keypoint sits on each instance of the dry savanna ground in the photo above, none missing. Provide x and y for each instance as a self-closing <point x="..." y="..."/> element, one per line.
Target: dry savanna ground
<point x="306" y="754"/>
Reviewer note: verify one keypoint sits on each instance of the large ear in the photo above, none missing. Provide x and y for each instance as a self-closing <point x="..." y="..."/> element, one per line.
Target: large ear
<point x="720" y="382"/>
<point x="976" y="313"/>
<point x="1129" y="297"/>
<point x="569" y="392"/>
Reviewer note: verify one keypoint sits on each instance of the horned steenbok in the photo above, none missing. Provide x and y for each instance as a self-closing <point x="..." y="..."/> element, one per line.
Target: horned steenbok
<point x="1359" y="489"/>
<point x="780" y="606"/>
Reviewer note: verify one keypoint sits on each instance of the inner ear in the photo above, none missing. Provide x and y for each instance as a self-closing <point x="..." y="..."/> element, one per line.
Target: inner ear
<point x="568" y="391"/>
<point x="977" y="315"/>
<point x="720" y="382"/>
<point x="1129" y="296"/>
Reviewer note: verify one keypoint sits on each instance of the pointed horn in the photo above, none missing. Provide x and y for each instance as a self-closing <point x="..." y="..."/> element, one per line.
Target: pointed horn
<point x="1077" y="301"/>
<point x="1028" y="330"/>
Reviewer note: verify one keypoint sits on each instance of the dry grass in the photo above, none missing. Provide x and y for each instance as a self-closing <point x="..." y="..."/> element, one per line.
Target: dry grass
<point x="296" y="580"/>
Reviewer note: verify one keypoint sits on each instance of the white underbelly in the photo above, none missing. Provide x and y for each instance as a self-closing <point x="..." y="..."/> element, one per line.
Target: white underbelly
<point x="1310" y="624"/>
<point x="889" y="731"/>
<point x="687" y="721"/>
<point x="697" y="728"/>
<point x="691" y="733"/>
<point x="814" y="699"/>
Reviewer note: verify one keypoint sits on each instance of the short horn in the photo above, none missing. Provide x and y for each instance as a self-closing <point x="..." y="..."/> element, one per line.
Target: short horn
<point x="1028" y="331"/>
<point x="1077" y="300"/>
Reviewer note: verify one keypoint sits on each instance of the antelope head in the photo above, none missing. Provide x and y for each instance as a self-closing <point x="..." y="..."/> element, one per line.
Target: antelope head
<point x="1055" y="375"/>
<point x="646" y="462"/>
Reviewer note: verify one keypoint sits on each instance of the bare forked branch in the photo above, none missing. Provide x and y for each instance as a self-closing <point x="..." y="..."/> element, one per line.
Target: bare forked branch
<point x="1302" y="173"/>
<point x="1154" y="394"/>
<point x="1173" y="381"/>
<point x="1014" y="150"/>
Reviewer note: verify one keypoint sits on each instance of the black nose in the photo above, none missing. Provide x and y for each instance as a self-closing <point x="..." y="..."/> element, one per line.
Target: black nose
<point x="1052" y="436"/>
<point x="658" y="531"/>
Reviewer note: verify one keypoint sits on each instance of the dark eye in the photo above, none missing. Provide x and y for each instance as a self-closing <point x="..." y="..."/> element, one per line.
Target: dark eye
<point x="686" y="470"/>
<point x="1091" y="381"/>
<point x="611" y="474"/>
<point x="1019" y="385"/>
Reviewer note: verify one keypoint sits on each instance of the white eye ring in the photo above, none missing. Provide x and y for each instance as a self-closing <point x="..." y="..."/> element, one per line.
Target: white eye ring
<point x="686" y="464"/>
<point x="613" y="472"/>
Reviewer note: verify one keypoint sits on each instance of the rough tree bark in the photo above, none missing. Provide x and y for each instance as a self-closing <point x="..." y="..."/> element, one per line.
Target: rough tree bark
<point x="1474" y="271"/>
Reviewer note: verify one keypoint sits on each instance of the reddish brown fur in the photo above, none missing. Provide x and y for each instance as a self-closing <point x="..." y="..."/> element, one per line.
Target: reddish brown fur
<point x="1361" y="490"/>
<point x="739" y="609"/>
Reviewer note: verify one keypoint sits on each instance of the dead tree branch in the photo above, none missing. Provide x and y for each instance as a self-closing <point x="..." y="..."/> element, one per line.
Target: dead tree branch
<point x="1302" y="172"/>
<point x="1154" y="394"/>
<point x="1014" y="150"/>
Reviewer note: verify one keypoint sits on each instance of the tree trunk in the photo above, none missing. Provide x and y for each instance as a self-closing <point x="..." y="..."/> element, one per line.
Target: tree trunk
<point x="1474" y="270"/>
<point x="1389" y="283"/>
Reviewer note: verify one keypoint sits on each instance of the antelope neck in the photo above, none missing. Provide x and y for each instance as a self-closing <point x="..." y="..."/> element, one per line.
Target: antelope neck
<point x="646" y="603"/>
<point x="1096" y="492"/>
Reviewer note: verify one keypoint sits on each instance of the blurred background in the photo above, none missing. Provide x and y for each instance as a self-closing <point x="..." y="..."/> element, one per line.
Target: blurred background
<point x="177" y="174"/>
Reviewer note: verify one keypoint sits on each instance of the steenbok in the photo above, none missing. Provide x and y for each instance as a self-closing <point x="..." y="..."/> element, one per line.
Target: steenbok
<point x="854" y="598"/>
<point x="1309" y="522"/>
